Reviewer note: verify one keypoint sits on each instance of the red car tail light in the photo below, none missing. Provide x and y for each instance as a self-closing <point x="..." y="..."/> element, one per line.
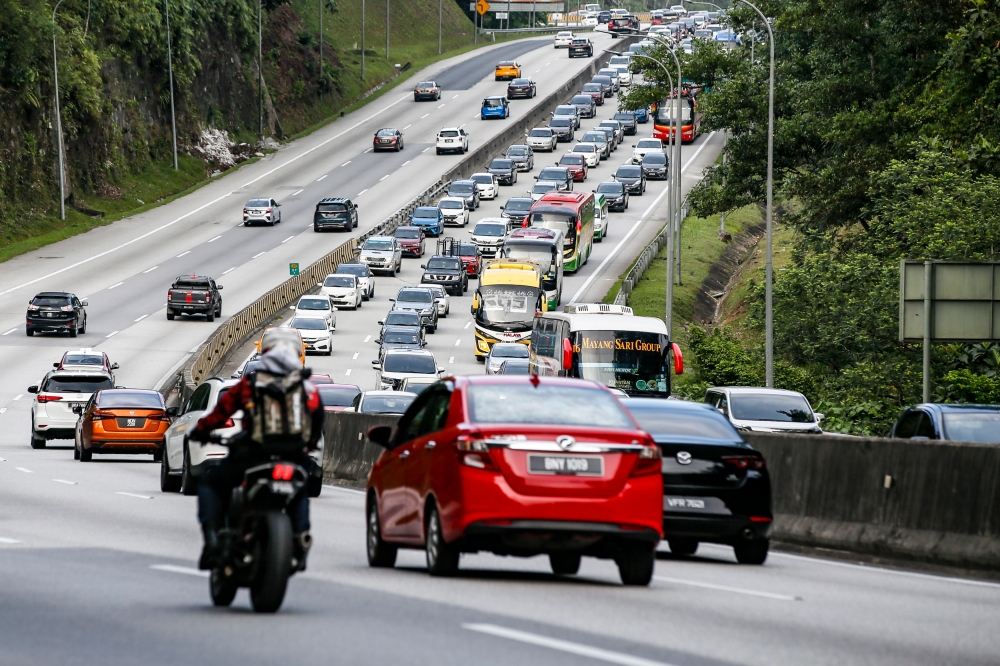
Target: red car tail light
<point x="473" y="451"/>
<point x="268" y="211"/>
<point x="229" y="423"/>
<point x="99" y="415"/>
<point x="49" y="398"/>
<point x="159" y="416"/>
<point x="745" y="462"/>
<point x="648" y="462"/>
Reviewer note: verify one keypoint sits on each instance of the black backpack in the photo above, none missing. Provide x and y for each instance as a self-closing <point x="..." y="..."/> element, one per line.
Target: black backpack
<point x="281" y="422"/>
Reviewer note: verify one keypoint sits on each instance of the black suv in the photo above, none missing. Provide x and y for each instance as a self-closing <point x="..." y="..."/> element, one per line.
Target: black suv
<point x="504" y="169"/>
<point x="447" y="272"/>
<point x="335" y="213"/>
<point x="194" y="294"/>
<point x="581" y="46"/>
<point x="400" y="320"/>
<point x="58" y="312"/>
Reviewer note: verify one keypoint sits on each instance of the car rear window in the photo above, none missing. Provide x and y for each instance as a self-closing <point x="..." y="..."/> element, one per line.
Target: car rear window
<point x="192" y="284"/>
<point x="448" y="133"/>
<point x="592" y="87"/>
<point x="353" y="269"/>
<point x="509" y="351"/>
<point x="139" y="399"/>
<point x="258" y="203"/>
<point x="489" y="230"/>
<point x="84" y="359"/>
<point x="445" y="263"/>
<point x="561" y="122"/>
<point x="450" y="205"/>
<point x="584" y="148"/>
<point x="402" y="319"/>
<point x="595" y="137"/>
<point x="541" y="132"/>
<point x="386" y="132"/>
<point x="517" y="150"/>
<point x="770" y="407"/>
<point x="314" y="304"/>
<point x="77" y="384"/>
<point x="385" y="404"/>
<point x="331" y="208"/>
<point x="582" y="99"/>
<point x="407" y="233"/>
<point x="649" y="143"/>
<point x="402" y="338"/>
<point x="339" y="281"/>
<point x="418" y="364"/>
<point x="50" y="301"/>
<point x="492" y="102"/>
<point x="308" y="324"/>
<point x="431" y="213"/>
<point x="501" y="164"/>
<point x="673" y="422"/>
<point x="415" y="296"/>
<point x="546" y="405"/>
<point x="425" y="84"/>
<point x="517" y="366"/>
<point x="337" y="396"/>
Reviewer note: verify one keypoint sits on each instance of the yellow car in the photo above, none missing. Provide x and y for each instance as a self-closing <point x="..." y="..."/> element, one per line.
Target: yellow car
<point x="508" y="69"/>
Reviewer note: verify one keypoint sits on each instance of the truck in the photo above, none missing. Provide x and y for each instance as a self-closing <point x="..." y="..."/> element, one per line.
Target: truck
<point x="509" y="294"/>
<point x="194" y="294"/>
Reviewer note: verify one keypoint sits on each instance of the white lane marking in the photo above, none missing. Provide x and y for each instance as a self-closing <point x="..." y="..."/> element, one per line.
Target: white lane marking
<point x="369" y="150"/>
<point x="352" y="491"/>
<point x="322" y="177"/>
<point x="229" y="270"/>
<point x="346" y="163"/>
<point x="170" y="568"/>
<point x="2" y="410"/>
<point x="112" y="334"/>
<point x="355" y="357"/>
<point x="440" y="105"/>
<point x="119" y="492"/>
<point x="142" y="317"/>
<point x="383" y="178"/>
<point x="68" y="483"/>
<point x="408" y="126"/>
<point x="287" y="239"/>
<point x="425" y="150"/>
<point x="24" y="469"/>
<point x="454" y="96"/>
<point x="468" y="323"/>
<point x="580" y="649"/>
<point x="368" y="338"/>
<point x="348" y="372"/>
<point x="6" y="540"/>
<point x="259" y="254"/>
<point x="537" y="70"/>
<point x="299" y="192"/>
<point x="215" y="239"/>
<point x="451" y="360"/>
<point x="115" y="285"/>
<point x="362" y="191"/>
<point x="150" y="270"/>
<point x="458" y="341"/>
<point x="9" y="332"/>
<point x="18" y="396"/>
<point x="3" y="460"/>
<point x="635" y="227"/>
<point x="725" y="588"/>
<point x="424" y="116"/>
<point x="405" y="163"/>
<point x="894" y="572"/>
<point x="183" y="253"/>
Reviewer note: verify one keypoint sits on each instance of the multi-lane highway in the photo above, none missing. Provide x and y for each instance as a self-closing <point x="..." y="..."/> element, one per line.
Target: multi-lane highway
<point x="96" y="565"/>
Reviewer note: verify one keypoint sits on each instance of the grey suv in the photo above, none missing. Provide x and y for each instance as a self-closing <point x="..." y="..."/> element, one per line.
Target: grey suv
<point x="421" y="301"/>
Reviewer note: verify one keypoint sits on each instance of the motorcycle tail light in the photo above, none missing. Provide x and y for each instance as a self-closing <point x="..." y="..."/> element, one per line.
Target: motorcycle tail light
<point x="282" y="472"/>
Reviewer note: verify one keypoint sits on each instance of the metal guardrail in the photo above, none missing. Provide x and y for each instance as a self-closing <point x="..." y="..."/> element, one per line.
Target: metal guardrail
<point x="645" y="260"/>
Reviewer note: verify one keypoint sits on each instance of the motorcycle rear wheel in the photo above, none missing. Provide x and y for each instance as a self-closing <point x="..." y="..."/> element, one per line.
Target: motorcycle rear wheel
<point x="267" y="591"/>
<point x="222" y="588"/>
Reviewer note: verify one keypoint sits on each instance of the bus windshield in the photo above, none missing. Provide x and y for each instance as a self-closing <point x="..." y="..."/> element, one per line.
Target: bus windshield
<point x="510" y="306"/>
<point x="558" y="222"/>
<point x="664" y="113"/>
<point x="537" y="253"/>
<point x="632" y="361"/>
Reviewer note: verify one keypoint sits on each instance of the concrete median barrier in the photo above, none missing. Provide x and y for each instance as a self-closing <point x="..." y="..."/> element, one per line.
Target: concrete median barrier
<point x="348" y="456"/>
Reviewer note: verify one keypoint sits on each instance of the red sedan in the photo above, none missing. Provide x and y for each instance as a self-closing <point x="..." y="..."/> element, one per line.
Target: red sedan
<point x="471" y="258"/>
<point x="576" y="164"/>
<point x="411" y="241"/>
<point x="517" y="466"/>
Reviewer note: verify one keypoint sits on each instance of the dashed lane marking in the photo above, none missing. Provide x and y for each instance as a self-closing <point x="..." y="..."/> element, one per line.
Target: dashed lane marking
<point x="346" y="163"/>
<point x="468" y="324"/>
<point x="142" y="317"/>
<point x="215" y="239"/>
<point x="8" y="541"/>
<point x="24" y="469"/>
<point x="183" y="253"/>
<point x="322" y="177"/>
<point x="189" y="571"/>
<point x="68" y="483"/>
<point x="355" y="357"/>
<point x="408" y="126"/>
<point x="299" y="192"/>
<point x="229" y="270"/>
<point x="112" y="334"/>
<point x="348" y="373"/>
<point x="405" y="163"/>
<point x="424" y="116"/>
<point x="287" y="239"/>
<point x="579" y="649"/>
<point x="150" y="270"/>
<point x="368" y="338"/>
<point x="18" y="396"/>
<point x="119" y="492"/>
<point x="9" y="332"/>
<point x="451" y="360"/>
<point x="383" y="178"/>
<point x="726" y="588"/>
<point x="259" y="254"/>
<point x="362" y="191"/>
<point x="115" y="285"/>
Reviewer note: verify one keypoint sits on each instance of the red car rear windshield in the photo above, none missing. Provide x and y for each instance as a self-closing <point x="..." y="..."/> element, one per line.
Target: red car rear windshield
<point x="546" y="405"/>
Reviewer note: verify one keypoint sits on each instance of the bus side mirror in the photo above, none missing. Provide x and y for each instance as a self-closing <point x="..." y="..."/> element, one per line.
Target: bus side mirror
<point x="567" y="356"/>
<point x="678" y="359"/>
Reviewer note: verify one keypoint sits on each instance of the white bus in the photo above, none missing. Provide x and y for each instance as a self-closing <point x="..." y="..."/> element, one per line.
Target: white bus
<point x="606" y="344"/>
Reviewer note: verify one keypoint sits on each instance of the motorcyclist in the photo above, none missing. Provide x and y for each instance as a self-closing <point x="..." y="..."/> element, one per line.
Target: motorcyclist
<point x="280" y="356"/>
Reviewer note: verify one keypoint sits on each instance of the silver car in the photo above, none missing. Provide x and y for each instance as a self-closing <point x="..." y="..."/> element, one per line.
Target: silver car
<point x="441" y="299"/>
<point x="500" y="352"/>
<point x="542" y="138"/>
<point x="759" y="409"/>
<point x="264" y="211"/>
<point x="382" y="254"/>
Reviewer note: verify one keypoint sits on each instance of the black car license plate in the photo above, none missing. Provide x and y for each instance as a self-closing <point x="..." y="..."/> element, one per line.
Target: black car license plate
<point x="566" y="465"/>
<point x="131" y="422"/>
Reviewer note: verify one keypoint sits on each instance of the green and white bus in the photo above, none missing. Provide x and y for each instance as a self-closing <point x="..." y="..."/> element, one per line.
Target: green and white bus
<point x="572" y="213"/>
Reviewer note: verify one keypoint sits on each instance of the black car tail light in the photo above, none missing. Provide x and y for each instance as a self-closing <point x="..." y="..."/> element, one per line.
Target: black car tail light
<point x="745" y="462"/>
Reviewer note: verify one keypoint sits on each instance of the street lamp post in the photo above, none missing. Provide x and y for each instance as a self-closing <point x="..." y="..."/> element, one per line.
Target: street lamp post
<point x="260" y="71"/>
<point x="362" y="40"/>
<point x="386" y="29"/>
<point x="170" y="69"/>
<point x="59" y="137"/>
<point x="320" y="47"/>
<point x="440" y="22"/>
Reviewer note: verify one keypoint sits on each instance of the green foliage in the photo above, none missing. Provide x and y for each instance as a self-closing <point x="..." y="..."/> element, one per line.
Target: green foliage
<point x="967" y="387"/>
<point x="722" y="361"/>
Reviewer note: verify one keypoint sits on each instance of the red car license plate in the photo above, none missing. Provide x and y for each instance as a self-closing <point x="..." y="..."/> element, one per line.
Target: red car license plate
<point x="566" y="465"/>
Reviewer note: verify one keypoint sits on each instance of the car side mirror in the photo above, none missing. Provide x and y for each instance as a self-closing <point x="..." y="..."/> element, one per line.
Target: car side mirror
<point x="440" y="370"/>
<point x="319" y="284"/>
<point x="219" y="287"/>
<point x="84" y="303"/>
<point x="376" y="365"/>
<point x="114" y="366"/>
<point x="55" y="365"/>
<point x="78" y="409"/>
<point x="819" y="416"/>
<point x="380" y="435"/>
<point x="424" y="266"/>
<point x="381" y="322"/>
<point x="33" y="388"/>
<point x="172" y="412"/>
<point x="392" y="300"/>
<point x="423" y="343"/>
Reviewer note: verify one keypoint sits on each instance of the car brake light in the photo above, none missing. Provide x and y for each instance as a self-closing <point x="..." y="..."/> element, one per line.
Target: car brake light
<point x="760" y="519"/>
<point x="98" y="415"/>
<point x="282" y="472"/>
<point x="745" y="462"/>
<point x="49" y="398"/>
<point x="648" y="462"/>
<point x="229" y="423"/>
<point x="473" y="451"/>
<point x="268" y="211"/>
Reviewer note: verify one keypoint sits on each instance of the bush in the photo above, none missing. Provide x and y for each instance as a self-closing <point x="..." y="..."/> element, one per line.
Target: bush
<point x="722" y="361"/>
<point x="964" y="386"/>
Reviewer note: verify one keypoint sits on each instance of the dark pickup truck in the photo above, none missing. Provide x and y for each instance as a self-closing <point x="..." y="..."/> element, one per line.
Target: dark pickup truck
<point x="194" y="294"/>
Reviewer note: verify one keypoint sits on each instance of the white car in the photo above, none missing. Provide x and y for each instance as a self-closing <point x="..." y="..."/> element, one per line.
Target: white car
<point x="317" y="307"/>
<point x="315" y="334"/>
<point x="624" y="75"/>
<point x="52" y="415"/>
<point x="540" y="188"/>
<point x="342" y="290"/>
<point x="366" y="279"/>
<point x="589" y="21"/>
<point x="646" y="146"/>
<point x="417" y="383"/>
<point x="489" y="234"/>
<point x="487" y="184"/>
<point x="398" y="364"/>
<point x="265" y="211"/>
<point x="563" y="38"/>
<point x="382" y="253"/>
<point x="184" y="461"/>
<point x="591" y="153"/>
<point x="542" y="138"/>
<point x="452" y="139"/>
<point x="454" y="211"/>
<point x="500" y="352"/>
<point x="441" y="299"/>
<point x="381" y="402"/>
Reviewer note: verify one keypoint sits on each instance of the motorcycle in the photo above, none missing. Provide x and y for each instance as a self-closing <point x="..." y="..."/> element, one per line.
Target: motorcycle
<point x="257" y="543"/>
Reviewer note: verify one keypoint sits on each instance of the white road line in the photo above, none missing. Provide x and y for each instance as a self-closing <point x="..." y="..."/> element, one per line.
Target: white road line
<point x="383" y="178"/>
<point x="259" y="254"/>
<point x="355" y="357"/>
<point x="451" y="360"/>
<point x="343" y="489"/>
<point x="468" y="323"/>
<point x="183" y="253"/>
<point x="368" y="338"/>
<point x="299" y="192"/>
<point x="424" y="116"/>
<point x="2" y="410"/>
<point x="173" y="371"/>
<point x="170" y="568"/>
<point x="18" y="396"/>
<point x="150" y="270"/>
<point x="229" y="270"/>
<point x="142" y="317"/>
<point x="346" y="163"/>
<point x="408" y="126"/>
<point x="115" y="285"/>
<point x="24" y="469"/>
<point x="322" y="177"/>
<point x="215" y="239"/>
<point x="6" y="540"/>
<point x="635" y="227"/>
<point x="119" y="492"/>
<point x="362" y="192"/>
<point x="3" y="460"/>
<point x="348" y="373"/>
<point x="440" y="106"/>
<point x="454" y="96"/>
<point x="894" y="572"/>
<point x="68" y="483"/>
<point x="9" y="332"/>
<point x="458" y="341"/>
<point x="369" y="150"/>
<point x="580" y="649"/>
<point x="112" y="334"/>
<point x="287" y="239"/>
<point x="725" y="588"/>
<point x="405" y="163"/>
<point x="425" y="150"/>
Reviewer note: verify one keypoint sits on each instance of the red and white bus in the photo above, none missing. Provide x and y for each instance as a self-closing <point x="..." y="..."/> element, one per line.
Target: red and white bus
<point x="690" y="122"/>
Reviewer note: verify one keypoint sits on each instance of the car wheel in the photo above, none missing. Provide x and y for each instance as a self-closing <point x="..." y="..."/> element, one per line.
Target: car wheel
<point x="209" y="316"/>
<point x="86" y="455"/>
<point x="751" y="552"/>
<point x="635" y="563"/>
<point x="189" y="482"/>
<point x="73" y="332"/>
<point x="438" y="151"/>
<point x="681" y="546"/>
<point x="169" y="483"/>
<point x="442" y="557"/>
<point x="29" y="332"/>
<point x="83" y="329"/>
<point x="380" y="554"/>
<point x="36" y="442"/>
<point x="564" y="564"/>
<point x="170" y="315"/>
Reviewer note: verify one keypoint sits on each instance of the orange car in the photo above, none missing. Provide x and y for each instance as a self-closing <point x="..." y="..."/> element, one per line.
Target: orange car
<point x="121" y="421"/>
<point x="290" y="333"/>
<point x="508" y="69"/>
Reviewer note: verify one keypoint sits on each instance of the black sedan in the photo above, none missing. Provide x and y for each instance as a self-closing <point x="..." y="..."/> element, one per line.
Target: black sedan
<point x="628" y="122"/>
<point x="504" y="169"/>
<point x="581" y="47"/>
<point x="615" y="194"/>
<point x="516" y="208"/>
<point x="716" y="487"/>
<point x="388" y="138"/>
<point x="525" y="88"/>
<point x="585" y="105"/>
<point x="562" y="127"/>
<point x="400" y="337"/>
<point x="56" y="312"/>
<point x="654" y="165"/>
<point x="632" y="178"/>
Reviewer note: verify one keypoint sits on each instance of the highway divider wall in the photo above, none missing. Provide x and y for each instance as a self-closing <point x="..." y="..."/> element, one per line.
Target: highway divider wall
<point x="925" y="501"/>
